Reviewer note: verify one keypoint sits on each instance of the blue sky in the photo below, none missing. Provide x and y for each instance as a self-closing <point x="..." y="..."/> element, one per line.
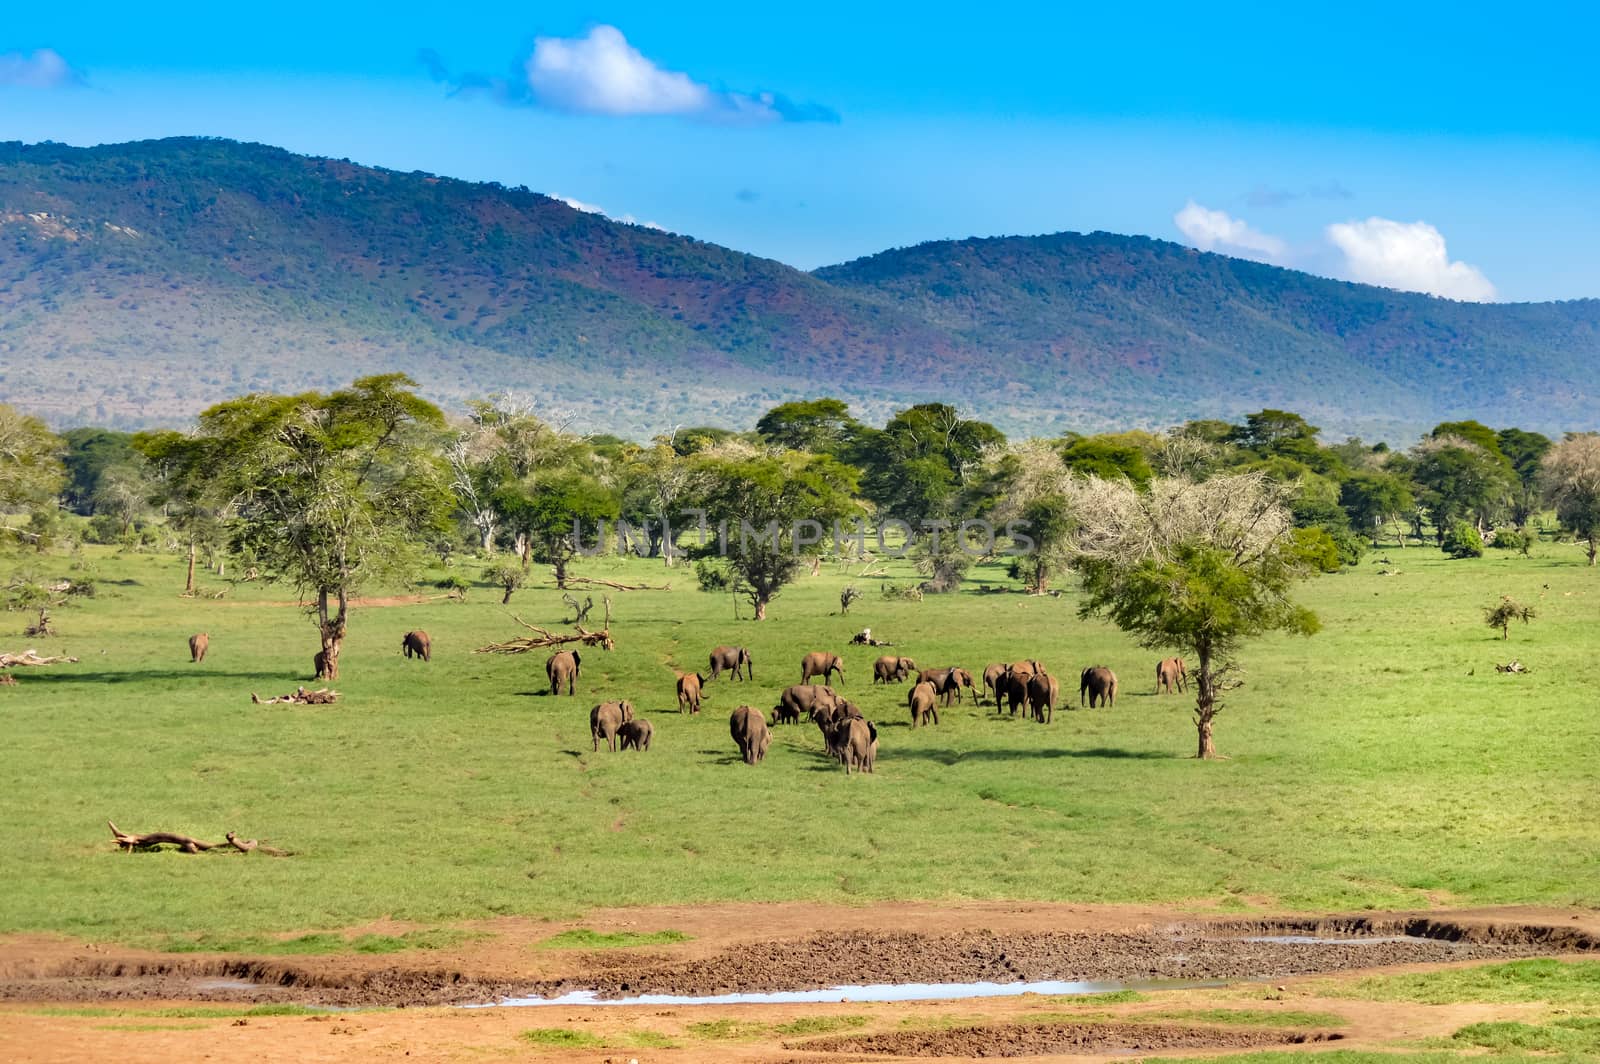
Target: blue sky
<point x="1447" y="148"/>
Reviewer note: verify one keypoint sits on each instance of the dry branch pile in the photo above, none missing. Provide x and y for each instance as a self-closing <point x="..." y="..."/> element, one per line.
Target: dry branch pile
<point x="151" y="840"/>
<point x="322" y="696"/>
<point x="616" y="586"/>
<point x="30" y="657"/>
<point x="543" y="638"/>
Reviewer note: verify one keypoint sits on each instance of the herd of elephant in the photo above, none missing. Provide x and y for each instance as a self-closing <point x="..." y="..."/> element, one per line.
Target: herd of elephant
<point x="847" y="735"/>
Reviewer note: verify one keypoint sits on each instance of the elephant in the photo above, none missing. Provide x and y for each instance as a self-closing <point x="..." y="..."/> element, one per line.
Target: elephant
<point x="636" y="733"/>
<point x="954" y="681"/>
<point x="805" y="698"/>
<point x="1013" y="687"/>
<point x="736" y="659"/>
<point x="1098" y="682"/>
<point x="785" y="714"/>
<point x="607" y="719"/>
<point x="1169" y="672"/>
<point x="416" y="644"/>
<point x="1043" y="692"/>
<point x="991" y="679"/>
<point x="923" y="700"/>
<point x="562" y="668"/>
<point x="197" y="647"/>
<point x="749" y="730"/>
<point x="820" y="663"/>
<point x="689" y="691"/>
<point x="889" y="669"/>
<point x="855" y="743"/>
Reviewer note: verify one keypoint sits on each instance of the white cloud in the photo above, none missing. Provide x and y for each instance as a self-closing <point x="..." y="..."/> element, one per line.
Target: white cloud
<point x="603" y="74"/>
<point x="44" y="69"/>
<point x="1211" y="230"/>
<point x="590" y="208"/>
<point x="1408" y="256"/>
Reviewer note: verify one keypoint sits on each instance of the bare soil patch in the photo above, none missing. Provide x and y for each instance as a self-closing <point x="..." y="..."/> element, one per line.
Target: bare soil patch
<point x="1040" y="1039"/>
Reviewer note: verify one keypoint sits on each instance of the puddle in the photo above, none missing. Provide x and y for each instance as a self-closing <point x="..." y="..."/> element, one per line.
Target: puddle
<point x="865" y="993"/>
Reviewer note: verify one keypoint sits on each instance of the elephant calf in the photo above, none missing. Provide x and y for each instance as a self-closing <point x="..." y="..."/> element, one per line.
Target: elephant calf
<point x="924" y="703"/>
<point x="1170" y="673"/>
<point x="636" y="734"/>
<point x="855" y="743"/>
<point x="749" y="730"/>
<point x="889" y="669"/>
<point x="416" y="644"/>
<point x="197" y="647"/>
<point x="607" y="720"/>
<point x="562" y="668"/>
<point x="689" y="691"/>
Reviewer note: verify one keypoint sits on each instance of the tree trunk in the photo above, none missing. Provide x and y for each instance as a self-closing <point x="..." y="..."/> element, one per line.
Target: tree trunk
<point x="507" y="596"/>
<point x="1594" y="547"/>
<point x="559" y="567"/>
<point x="486" y="534"/>
<point x="1205" y="705"/>
<point x="188" y="584"/>
<point x="332" y="630"/>
<point x="761" y="607"/>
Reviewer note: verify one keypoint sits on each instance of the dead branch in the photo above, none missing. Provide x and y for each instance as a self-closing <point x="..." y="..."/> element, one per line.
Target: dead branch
<point x="150" y="840"/>
<point x="322" y="696"/>
<point x="543" y="638"/>
<point x="580" y="611"/>
<point x="30" y="657"/>
<point x="616" y="586"/>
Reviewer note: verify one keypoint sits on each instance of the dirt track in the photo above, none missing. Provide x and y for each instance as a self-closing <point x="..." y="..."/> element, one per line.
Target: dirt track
<point x="748" y="948"/>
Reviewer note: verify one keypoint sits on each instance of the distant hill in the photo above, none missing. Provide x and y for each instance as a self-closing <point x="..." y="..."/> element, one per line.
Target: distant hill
<point x="141" y="282"/>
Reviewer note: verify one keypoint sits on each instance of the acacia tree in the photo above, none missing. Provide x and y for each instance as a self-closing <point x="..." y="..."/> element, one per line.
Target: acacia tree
<point x="1570" y="473"/>
<point x="758" y="504"/>
<point x="1201" y="566"/>
<point x="551" y="515"/>
<point x="181" y="478"/>
<point x="30" y="463"/>
<point x="330" y="491"/>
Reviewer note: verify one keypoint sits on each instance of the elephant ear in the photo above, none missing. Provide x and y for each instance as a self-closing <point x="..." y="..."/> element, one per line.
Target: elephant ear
<point x="577" y="661"/>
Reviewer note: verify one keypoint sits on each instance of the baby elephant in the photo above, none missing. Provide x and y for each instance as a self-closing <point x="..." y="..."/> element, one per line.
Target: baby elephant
<point x="416" y="644"/>
<point x="636" y="734"/>
<point x="607" y="720"/>
<point x="749" y="730"/>
<point x="197" y="646"/>
<point x="689" y="684"/>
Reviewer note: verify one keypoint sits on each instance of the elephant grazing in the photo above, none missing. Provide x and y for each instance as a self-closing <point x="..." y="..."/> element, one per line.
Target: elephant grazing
<point x="1012" y="686"/>
<point x="924" y="703"/>
<point x="736" y="659"/>
<point x="416" y="644"/>
<point x="1043" y="691"/>
<point x="689" y="691"/>
<point x="197" y="647"/>
<point x="991" y="679"/>
<point x="607" y="719"/>
<point x="823" y="664"/>
<point x="749" y="730"/>
<point x="855" y="743"/>
<point x="1099" y="682"/>
<point x="890" y="669"/>
<point x="636" y="734"/>
<point x="562" y="668"/>
<point x="954" y="681"/>
<point x="1170" y="672"/>
<point x="785" y="714"/>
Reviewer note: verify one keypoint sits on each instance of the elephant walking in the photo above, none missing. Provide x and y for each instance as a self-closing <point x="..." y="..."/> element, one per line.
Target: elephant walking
<point x="198" y="644"/>
<point x="820" y="663"/>
<point x="606" y="720"/>
<point x="734" y="659"/>
<point x="416" y="644"/>
<point x="924" y="703"/>
<point x="689" y="691"/>
<point x="1098" y="682"/>
<point x="562" y="668"/>
<point x="749" y="731"/>
<point x="855" y="741"/>
<point x="636" y="734"/>
<point x="890" y="669"/>
<point x="1169" y="673"/>
<point x="1043" y="691"/>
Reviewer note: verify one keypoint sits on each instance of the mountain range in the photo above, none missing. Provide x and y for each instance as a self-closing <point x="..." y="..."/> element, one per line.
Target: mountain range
<point x="141" y="282"/>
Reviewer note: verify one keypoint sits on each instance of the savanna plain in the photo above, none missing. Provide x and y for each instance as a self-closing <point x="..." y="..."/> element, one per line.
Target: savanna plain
<point x="449" y="822"/>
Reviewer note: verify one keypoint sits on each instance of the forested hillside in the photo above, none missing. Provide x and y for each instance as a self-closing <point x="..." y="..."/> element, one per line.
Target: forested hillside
<point x="142" y="282"/>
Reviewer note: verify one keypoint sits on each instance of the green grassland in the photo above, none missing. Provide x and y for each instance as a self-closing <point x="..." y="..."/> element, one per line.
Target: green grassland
<point x="1380" y="763"/>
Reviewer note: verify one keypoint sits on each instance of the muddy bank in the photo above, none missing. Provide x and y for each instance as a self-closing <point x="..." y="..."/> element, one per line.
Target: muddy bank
<point x="1041" y="1039"/>
<point x="1219" y="950"/>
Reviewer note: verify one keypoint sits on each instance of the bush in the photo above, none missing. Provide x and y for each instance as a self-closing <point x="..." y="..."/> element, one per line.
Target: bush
<point x="1315" y="547"/>
<point x="711" y="576"/>
<point x="1461" y="540"/>
<point x="1509" y="539"/>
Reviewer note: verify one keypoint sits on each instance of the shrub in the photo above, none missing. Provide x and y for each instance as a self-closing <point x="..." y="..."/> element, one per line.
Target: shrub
<point x="711" y="576"/>
<point x="1317" y="549"/>
<point x="1509" y="539"/>
<point x="1461" y="540"/>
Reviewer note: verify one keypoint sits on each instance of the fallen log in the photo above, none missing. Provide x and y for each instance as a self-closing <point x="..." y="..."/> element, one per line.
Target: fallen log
<point x="616" y="586"/>
<point x="30" y="657"/>
<point x="322" y="696"/>
<point x="129" y="841"/>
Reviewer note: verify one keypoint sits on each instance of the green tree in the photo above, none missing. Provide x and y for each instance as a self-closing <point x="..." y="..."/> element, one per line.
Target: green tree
<point x="1108" y="459"/>
<point x="556" y="516"/>
<point x="1524" y="450"/>
<point x="1370" y="499"/>
<point x="30" y="461"/>
<point x="1570" y="473"/>
<point x="330" y="491"/>
<point x="822" y="426"/>
<point x="918" y="463"/>
<point x="1201" y="566"/>
<point x="771" y="511"/>
<point x="1273" y="432"/>
<point x="1460" y="480"/>
<point x="89" y="453"/>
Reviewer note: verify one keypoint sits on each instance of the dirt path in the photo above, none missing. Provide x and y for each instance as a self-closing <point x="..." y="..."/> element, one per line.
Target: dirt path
<point x="121" y="1001"/>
